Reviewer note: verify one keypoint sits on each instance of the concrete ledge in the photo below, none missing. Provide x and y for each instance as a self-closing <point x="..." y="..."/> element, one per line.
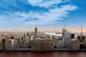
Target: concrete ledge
<point x="56" y="50"/>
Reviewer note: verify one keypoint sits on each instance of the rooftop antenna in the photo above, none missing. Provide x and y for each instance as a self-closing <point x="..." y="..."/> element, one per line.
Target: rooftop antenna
<point x="64" y="25"/>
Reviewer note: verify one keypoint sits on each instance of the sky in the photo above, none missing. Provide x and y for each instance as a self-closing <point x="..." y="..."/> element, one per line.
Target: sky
<point x="47" y="15"/>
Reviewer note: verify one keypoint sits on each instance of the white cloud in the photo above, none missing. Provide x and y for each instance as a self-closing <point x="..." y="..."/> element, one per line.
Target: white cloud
<point x="43" y="18"/>
<point x="51" y="16"/>
<point x="34" y="2"/>
<point x="55" y="13"/>
<point x="47" y="17"/>
<point x="46" y="3"/>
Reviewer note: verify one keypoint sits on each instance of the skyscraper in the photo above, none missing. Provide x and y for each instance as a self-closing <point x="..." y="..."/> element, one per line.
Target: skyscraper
<point x="35" y="32"/>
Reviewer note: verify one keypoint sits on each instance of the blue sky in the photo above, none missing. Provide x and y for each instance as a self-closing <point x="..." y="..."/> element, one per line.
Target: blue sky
<point x="46" y="14"/>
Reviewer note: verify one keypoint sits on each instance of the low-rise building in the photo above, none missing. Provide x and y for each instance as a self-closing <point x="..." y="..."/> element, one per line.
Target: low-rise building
<point x="42" y="44"/>
<point x="75" y="44"/>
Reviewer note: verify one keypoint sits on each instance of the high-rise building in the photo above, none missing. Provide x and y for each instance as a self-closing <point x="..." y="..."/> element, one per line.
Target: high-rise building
<point x="35" y="32"/>
<point x="3" y="44"/>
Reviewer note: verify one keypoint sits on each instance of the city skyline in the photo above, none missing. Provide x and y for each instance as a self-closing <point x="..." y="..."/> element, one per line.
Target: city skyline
<point x="47" y="15"/>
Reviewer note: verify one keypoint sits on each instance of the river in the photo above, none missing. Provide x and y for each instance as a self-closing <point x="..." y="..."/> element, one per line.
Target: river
<point x="42" y="54"/>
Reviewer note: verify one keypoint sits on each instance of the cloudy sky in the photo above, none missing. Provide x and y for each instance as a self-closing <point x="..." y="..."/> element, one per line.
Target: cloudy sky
<point x="48" y="15"/>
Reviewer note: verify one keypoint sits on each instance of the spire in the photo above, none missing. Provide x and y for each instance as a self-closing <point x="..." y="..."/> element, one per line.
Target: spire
<point x="81" y="31"/>
<point x="64" y="29"/>
<point x="64" y="25"/>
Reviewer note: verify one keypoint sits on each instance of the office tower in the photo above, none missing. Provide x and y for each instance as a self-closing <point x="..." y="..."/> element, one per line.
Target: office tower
<point x="40" y="44"/>
<point x="66" y="39"/>
<point x="3" y="44"/>
<point x="75" y="44"/>
<point x="35" y="32"/>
